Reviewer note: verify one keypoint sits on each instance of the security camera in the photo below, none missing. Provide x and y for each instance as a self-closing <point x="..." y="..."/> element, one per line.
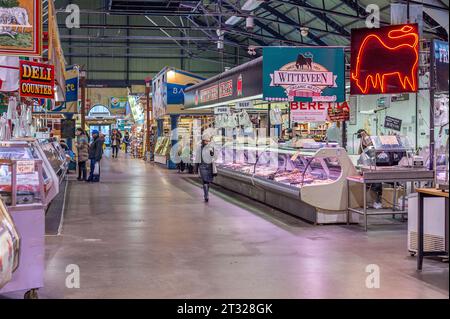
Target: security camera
<point x="304" y="31"/>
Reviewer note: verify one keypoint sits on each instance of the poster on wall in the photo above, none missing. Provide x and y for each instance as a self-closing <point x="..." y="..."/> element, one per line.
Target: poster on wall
<point x="384" y="60"/>
<point x="37" y="80"/>
<point x="21" y="27"/>
<point x="304" y="74"/>
<point x="118" y="105"/>
<point x="440" y="59"/>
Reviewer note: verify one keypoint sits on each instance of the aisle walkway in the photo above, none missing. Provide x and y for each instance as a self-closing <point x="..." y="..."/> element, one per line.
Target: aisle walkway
<point x="144" y="232"/>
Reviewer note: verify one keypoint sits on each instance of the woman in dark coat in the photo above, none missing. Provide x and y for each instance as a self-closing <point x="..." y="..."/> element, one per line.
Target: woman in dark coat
<point x="206" y="167"/>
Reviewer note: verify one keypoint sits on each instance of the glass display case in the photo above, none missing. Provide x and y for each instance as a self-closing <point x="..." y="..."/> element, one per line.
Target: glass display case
<point x="25" y="151"/>
<point x="387" y="150"/>
<point x="9" y="246"/>
<point x="278" y="175"/>
<point x="55" y="155"/>
<point x="442" y="167"/>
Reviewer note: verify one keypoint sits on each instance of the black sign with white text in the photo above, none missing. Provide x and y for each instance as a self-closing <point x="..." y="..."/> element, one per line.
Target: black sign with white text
<point x="393" y="123"/>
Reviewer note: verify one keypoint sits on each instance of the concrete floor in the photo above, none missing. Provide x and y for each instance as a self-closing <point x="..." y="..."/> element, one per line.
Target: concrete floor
<point x="144" y="232"/>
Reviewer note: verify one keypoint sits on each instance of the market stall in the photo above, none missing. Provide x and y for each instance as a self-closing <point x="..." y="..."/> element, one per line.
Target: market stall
<point x="174" y="122"/>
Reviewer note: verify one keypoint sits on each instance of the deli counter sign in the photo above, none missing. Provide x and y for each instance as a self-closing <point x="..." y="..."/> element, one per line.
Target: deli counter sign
<point x="304" y="74"/>
<point x="37" y="80"/>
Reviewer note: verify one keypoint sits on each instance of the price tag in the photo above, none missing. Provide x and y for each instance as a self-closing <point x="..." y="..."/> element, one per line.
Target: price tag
<point x="25" y="167"/>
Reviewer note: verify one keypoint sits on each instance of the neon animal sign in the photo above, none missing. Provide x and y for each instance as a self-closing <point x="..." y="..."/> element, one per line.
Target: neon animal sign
<point x="385" y="60"/>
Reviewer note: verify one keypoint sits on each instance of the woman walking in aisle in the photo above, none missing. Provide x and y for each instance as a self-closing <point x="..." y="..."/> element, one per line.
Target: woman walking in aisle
<point x="206" y="167"/>
<point x="95" y="155"/>
<point x="126" y="141"/>
<point x="82" y="144"/>
<point x="116" y="138"/>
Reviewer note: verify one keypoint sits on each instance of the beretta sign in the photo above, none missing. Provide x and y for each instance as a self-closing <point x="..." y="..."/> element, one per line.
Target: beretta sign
<point x="304" y="74"/>
<point x="37" y="80"/>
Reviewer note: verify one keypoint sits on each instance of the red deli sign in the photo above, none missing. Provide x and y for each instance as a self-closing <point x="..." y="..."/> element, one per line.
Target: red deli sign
<point x="37" y="80"/>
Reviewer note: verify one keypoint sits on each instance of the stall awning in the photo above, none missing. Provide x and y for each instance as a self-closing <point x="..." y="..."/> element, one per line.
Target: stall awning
<point x="243" y="82"/>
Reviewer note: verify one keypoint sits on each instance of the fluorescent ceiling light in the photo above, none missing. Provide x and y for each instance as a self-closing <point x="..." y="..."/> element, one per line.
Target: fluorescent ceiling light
<point x="233" y="20"/>
<point x="251" y="5"/>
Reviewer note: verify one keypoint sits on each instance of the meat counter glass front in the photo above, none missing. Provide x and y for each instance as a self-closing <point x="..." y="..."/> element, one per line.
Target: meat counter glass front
<point x="26" y="151"/>
<point x="310" y="184"/>
<point x="55" y="155"/>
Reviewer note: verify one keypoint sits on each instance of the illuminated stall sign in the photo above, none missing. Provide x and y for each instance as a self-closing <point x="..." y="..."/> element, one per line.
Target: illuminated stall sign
<point x="319" y="111"/>
<point x="209" y="94"/>
<point x="440" y="59"/>
<point x="225" y="89"/>
<point x="304" y="74"/>
<point x="241" y="82"/>
<point x="384" y="60"/>
<point x="37" y="80"/>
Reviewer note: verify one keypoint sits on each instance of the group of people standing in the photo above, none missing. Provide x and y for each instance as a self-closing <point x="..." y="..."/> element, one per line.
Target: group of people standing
<point x="89" y="151"/>
<point x="92" y="150"/>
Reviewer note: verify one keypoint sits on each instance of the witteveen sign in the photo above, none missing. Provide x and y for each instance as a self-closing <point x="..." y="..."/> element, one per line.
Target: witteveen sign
<point x="304" y="74"/>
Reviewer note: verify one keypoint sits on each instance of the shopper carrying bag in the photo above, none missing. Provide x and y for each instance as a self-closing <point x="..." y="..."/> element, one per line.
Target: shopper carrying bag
<point x="95" y="156"/>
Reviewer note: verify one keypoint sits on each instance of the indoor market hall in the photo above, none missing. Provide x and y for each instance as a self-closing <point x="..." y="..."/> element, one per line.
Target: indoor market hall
<point x="233" y="158"/>
<point x="145" y="232"/>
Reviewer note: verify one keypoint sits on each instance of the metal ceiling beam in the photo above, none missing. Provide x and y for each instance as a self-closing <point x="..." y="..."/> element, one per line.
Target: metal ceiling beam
<point x="264" y="27"/>
<point x="327" y="20"/>
<point x="281" y="16"/>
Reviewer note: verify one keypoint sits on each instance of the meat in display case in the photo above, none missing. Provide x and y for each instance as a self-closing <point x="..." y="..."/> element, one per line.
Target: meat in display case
<point x="55" y="155"/>
<point x="310" y="184"/>
<point x="25" y="152"/>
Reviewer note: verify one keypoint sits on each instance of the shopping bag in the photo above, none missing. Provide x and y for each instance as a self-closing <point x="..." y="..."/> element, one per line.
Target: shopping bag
<point x="97" y="168"/>
<point x="214" y="169"/>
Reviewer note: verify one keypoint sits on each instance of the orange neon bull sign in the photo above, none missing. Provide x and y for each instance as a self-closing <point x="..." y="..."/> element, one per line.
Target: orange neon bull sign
<point x="385" y="60"/>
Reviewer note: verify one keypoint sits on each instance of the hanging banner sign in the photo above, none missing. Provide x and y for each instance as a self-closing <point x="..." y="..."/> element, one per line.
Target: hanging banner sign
<point x="384" y="60"/>
<point x="37" y="80"/>
<point x="304" y="74"/>
<point x="308" y="111"/>
<point x="21" y="31"/>
<point x="393" y="123"/>
<point x="72" y="84"/>
<point x="222" y="110"/>
<point x="244" y="105"/>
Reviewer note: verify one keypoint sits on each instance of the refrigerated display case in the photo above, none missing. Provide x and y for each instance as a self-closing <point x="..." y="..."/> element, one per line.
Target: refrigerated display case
<point x="310" y="184"/>
<point x="55" y="155"/>
<point x="9" y="246"/>
<point x="442" y="166"/>
<point x="162" y="149"/>
<point x="27" y="150"/>
<point x="22" y="191"/>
